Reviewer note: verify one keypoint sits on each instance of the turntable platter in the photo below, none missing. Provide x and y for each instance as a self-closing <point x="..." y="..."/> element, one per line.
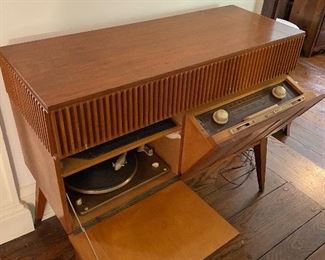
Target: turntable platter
<point x="103" y="178"/>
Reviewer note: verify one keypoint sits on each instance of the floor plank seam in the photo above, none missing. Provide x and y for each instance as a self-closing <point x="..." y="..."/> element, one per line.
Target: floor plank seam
<point x="321" y="206"/>
<point x="320" y="212"/>
<point x="229" y="219"/>
<point x="309" y="64"/>
<point x="314" y="251"/>
<point x="303" y="145"/>
<point x="215" y="190"/>
<point x="308" y="148"/>
<point x="273" y="172"/>
<point x="258" y="199"/>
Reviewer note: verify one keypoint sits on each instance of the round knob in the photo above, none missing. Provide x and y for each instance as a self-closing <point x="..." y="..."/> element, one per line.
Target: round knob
<point x="279" y="92"/>
<point x="220" y="116"/>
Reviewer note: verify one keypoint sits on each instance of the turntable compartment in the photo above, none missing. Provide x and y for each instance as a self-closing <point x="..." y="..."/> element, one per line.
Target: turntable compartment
<point x="97" y="191"/>
<point x="105" y="151"/>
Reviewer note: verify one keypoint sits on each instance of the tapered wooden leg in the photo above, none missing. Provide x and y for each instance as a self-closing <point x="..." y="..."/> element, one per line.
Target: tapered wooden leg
<point x="287" y="129"/>
<point x="260" y="161"/>
<point x="40" y="202"/>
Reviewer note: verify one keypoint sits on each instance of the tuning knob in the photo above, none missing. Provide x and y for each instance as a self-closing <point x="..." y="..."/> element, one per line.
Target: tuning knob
<point x="220" y="116"/>
<point x="279" y="92"/>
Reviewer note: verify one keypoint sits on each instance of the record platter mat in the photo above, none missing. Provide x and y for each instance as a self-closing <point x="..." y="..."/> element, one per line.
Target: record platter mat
<point x="240" y="109"/>
<point x="144" y="172"/>
<point x="103" y="178"/>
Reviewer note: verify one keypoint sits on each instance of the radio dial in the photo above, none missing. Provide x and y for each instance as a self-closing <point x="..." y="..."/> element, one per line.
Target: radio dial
<point x="279" y="92"/>
<point x="220" y="116"/>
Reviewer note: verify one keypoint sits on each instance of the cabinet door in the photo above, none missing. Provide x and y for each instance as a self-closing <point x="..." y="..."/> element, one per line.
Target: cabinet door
<point x="252" y="117"/>
<point x="173" y="223"/>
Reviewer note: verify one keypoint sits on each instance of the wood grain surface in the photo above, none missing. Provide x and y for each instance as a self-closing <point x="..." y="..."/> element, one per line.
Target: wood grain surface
<point x="319" y="254"/>
<point x="309" y="16"/>
<point x="82" y="90"/>
<point x="44" y="169"/>
<point x="229" y="200"/>
<point x="302" y="242"/>
<point x="62" y="68"/>
<point x="304" y="174"/>
<point x="307" y="131"/>
<point x="162" y="226"/>
<point x="268" y="221"/>
<point x="49" y="241"/>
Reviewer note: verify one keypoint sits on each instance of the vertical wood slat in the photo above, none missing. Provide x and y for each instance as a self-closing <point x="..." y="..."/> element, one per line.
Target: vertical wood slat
<point x="151" y="100"/>
<point x="141" y="105"/>
<point x="217" y="87"/>
<point x="89" y="124"/>
<point x="85" y="124"/>
<point x="28" y="105"/>
<point x="94" y="113"/>
<point x="62" y="132"/>
<point x="77" y="126"/>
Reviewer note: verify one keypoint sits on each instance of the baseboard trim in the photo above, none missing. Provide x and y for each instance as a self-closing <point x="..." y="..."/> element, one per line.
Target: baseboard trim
<point x="15" y="222"/>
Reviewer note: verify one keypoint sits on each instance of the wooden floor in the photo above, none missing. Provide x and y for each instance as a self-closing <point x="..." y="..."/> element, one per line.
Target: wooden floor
<point x="308" y="131"/>
<point x="286" y="221"/>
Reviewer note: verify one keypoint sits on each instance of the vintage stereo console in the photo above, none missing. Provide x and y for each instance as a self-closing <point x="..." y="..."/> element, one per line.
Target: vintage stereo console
<point x="112" y="121"/>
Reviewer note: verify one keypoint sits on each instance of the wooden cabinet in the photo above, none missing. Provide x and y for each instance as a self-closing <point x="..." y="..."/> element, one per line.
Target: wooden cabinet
<point x="309" y="16"/>
<point x="115" y="88"/>
<point x="277" y="8"/>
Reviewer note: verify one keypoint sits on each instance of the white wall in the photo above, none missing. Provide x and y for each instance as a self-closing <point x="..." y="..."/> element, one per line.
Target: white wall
<point x="25" y="20"/>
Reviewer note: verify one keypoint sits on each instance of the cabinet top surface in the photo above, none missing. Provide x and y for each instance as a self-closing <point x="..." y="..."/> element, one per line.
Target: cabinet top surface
<point x="64" y="69"/>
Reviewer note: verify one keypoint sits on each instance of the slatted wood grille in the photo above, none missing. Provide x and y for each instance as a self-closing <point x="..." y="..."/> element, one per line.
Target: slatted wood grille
<point x="85" y="124"/>
<point x="28" y="105"/>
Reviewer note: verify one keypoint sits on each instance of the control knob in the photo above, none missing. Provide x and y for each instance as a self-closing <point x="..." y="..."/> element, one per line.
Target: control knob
<point x="279" y="92"/>
<point x="220" y="116"/>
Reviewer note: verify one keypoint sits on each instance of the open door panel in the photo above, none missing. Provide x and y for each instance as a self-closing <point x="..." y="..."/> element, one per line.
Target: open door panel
<point x="252" y="117"/>
<point x="174" y="223"/>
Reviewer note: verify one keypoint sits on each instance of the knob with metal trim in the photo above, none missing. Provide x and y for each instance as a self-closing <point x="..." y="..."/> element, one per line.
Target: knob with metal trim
<point x="220" y="116"/>
<point x="279" y="92"/>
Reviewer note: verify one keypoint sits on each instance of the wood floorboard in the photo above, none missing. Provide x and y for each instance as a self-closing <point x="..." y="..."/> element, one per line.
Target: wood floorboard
<point x="313" y="119"/>
<point x="230" y="200"/>
<point x="312" y="139"/>
<point x="310" y="73"/>
<point x="268" y="221"/>
<point x="319" y="254"/>
<point x="307" y="132"/>
<point x="47" y="242"/>
<point x="210" y="180"/>
<point x="302" y="242"/>
<point x="299" y="147"/>
<point x="301" y="172"/>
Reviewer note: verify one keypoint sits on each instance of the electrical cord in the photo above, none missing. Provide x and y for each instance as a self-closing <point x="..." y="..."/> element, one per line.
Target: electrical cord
<point x="249" y="161"/>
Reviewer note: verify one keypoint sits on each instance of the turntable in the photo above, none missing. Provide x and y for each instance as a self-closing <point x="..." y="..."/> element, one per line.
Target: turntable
<point x="103" y="182"/>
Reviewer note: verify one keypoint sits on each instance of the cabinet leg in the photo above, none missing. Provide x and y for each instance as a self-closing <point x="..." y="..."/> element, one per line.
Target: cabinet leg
<point x="287" y="129"/>
<point x="40" y="202"/>
<point x="260" y="161"/>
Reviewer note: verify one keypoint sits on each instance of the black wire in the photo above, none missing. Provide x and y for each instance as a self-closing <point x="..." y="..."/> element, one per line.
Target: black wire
<point x="249" y="160"/>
